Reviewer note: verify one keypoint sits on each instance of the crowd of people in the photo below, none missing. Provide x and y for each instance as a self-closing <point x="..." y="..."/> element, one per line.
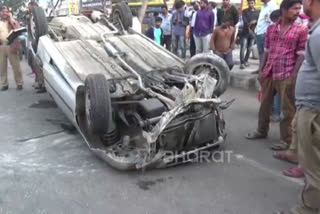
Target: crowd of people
<point x="289" y="67"/>
<point x="202" y="23"/>
<point x="289" y="71"/>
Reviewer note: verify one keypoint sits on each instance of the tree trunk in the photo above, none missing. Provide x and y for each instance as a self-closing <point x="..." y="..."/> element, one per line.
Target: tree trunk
<point x="143" y="10"/>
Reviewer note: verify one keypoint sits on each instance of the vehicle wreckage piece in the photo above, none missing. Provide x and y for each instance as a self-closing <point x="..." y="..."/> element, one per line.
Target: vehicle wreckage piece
<point x="136" y="104"/>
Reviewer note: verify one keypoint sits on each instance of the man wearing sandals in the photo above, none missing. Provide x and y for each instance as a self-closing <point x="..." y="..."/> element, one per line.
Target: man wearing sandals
<point x="291" y="155"/>
<point x="308" y="116"/>
<point x="284" y="49"/>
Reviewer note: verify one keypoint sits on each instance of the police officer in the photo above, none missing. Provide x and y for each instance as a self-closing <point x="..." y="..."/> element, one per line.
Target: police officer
<point x="11" y="52"/>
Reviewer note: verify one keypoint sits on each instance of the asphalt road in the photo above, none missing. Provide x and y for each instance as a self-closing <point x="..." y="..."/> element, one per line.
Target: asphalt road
<point x="46" y="167"/>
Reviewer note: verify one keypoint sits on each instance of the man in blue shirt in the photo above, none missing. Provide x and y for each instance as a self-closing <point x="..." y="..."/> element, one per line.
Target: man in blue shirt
<point x="179" y="23"/>
<point x="203" y="28"/>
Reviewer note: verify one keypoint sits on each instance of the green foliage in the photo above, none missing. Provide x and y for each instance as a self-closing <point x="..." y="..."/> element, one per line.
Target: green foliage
<point x="13" y="4"/>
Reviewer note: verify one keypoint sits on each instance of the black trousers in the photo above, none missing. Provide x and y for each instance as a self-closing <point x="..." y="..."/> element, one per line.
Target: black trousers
<point x="166" y="42"/>
<point x="192" y="44"/>
<point x="245" y="47"/>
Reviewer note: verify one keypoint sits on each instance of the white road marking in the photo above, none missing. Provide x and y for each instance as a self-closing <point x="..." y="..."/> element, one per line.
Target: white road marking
<point x="265" y="169"/>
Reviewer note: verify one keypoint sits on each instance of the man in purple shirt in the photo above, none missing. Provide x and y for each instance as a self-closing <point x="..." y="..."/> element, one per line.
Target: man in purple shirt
<point x="203" y="27"/>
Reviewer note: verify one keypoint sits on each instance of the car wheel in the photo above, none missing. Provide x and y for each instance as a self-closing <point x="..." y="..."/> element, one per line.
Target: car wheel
<point x="217" y="67"/>
<point x="121" y="16"/>
<point x="37" y="26"/>
<point x="97" y="104"/>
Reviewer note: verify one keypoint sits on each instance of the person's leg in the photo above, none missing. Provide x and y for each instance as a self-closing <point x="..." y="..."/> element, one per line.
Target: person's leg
<point x="183" y="45"/>
<point x="167" y="41"/>
<point x="308" y="132"/>
<point x="206" y="43"/>
<point x="276" y="107"/>
<point x="15" y="64"/>
<point x="192" y="44"/>
<point x="175" y="42"/>
<point x="250" y="41"/>
<point x="198" y="44"/>
<point x="286" y="90"/>
<point x="260" y="45"/>
<point x="267" y="90"/>
<point x="163" y="42"/>
<point x="3" y="66"/>
<point x="290" y="155"/>
<point x="243" y="45"/>
<point x="229" y="60"/>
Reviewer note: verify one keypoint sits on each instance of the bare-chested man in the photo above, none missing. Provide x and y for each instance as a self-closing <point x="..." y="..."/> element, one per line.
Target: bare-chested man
<point x="223" y="41"/>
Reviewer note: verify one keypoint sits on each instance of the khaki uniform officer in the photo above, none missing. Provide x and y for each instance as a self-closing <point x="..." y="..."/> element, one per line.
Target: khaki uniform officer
<point x="7" y="23"/>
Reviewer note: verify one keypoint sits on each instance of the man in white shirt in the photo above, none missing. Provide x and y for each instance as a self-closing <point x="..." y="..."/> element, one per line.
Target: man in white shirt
<point x="192" y="19"/>
<point x="263" y="23"/>
<point x="166" y="27"/>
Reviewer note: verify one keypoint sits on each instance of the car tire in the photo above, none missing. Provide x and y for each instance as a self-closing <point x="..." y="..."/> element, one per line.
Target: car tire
<point x="97" y="104"/>
<point x="219" y="70"/>
<point x="40" y="23"/>
<point x="122" y="11"/>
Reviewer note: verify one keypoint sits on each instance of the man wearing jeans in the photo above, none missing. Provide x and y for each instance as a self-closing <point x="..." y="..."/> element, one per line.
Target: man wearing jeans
<point x="250" y="17"/>
<point x="284" y="49"/>
<point x="264" y="22"/>
<point x="203" y="28"/>
<point x="179" y="23"/>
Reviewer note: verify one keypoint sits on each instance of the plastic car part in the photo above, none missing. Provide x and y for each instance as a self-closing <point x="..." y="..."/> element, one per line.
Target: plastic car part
<point x="216" y="66"/>
<point x="150" y="108"/>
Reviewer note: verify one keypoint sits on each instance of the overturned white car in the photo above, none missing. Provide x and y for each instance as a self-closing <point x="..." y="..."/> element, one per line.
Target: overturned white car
<point x="136" y="104"/>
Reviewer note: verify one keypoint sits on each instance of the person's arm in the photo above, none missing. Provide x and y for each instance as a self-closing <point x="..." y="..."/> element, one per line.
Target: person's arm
<point x="213" y="40"/>
<point x="233" y="39"/>
<point x="314" y="46"/>
<point x="13" y="23"/>
<point x="219" y="16"/>
<point x="300" y="50"/>
<point x="235" y="16"/>
<point x="150" y="33"/>
<point x="211" y="20"/>
<point x="195" y="27"/>
<point x="245" y="18"/>
<point x="265" y="54"/>
<point x="185" y="20"/>
<point x="174" y="18"/>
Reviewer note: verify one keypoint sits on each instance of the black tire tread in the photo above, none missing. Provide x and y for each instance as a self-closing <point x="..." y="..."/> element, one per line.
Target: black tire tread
<point x="97" y="86"/>
<point x="41" y="25"/>
<point x="125" y="14"/>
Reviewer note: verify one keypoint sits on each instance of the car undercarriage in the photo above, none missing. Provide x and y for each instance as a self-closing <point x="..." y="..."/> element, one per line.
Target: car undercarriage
<point x="136" y="104"/>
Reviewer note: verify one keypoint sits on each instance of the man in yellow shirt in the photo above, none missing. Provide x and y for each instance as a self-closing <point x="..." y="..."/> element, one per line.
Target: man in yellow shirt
<point x="7" y="23"/>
